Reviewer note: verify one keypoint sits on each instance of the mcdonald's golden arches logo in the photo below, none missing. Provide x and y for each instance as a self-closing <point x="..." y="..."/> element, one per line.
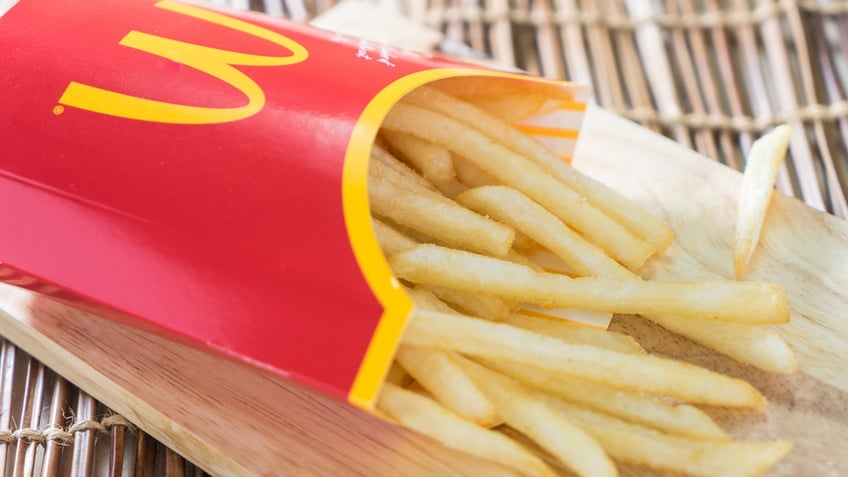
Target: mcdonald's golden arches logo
<point x="212" y="61"/>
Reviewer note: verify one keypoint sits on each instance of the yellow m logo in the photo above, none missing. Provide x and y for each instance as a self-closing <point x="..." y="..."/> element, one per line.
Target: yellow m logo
<point x="212" y="61"/>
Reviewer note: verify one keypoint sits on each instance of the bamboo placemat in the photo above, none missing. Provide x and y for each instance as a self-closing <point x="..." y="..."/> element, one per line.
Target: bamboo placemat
<point x="48" y="427"/>
<point x="710" y="74"/>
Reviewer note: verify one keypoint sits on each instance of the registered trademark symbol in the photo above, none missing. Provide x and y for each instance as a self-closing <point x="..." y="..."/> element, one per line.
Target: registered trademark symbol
<point x="58" y="110"/>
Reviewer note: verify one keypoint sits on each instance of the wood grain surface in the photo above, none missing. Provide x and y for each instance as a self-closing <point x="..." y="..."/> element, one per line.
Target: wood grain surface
<point x="235" y="421"/>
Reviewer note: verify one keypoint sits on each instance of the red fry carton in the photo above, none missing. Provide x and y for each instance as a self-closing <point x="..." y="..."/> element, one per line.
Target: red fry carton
<point x="202" y="174"/>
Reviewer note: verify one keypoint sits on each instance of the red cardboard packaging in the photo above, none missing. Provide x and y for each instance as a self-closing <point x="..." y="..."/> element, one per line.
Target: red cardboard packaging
<point x="202" y="174"/>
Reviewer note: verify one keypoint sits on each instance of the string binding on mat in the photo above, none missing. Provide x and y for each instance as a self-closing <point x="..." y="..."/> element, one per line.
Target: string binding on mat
<point x="813" y="112"/>
<point x="62" y="436"/>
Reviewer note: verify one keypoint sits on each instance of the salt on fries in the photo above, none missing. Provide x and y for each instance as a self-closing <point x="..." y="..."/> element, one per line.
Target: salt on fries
<point x="460" y="198"/>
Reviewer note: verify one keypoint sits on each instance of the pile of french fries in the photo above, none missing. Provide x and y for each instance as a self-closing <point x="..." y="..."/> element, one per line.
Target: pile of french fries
<point x="460" y="198"/>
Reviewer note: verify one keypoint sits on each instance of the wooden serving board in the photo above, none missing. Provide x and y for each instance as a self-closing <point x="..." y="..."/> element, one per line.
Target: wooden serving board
<point x="234" y="421"/>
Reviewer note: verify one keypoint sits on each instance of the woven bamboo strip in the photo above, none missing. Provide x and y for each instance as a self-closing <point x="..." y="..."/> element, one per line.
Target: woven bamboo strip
<point x="732" y="87"/>
<point x="610" y="92"/>
<point x="476" y="28"/>
<point x="54" y="447"/>
<point x="744" y="123"/>
<point x="145" y="456"/>
<point x="83" y="447"/>
<point x="781" y="75"/>
<point x="455" y="28"/>
<point x="116" y="454"/>
<point x="704" y="141"/>
<point x="701" y="55"/>
<point x="756" y="84"/>
<point x="658" y="69"/>
<point x="547" y="41"/>
<point x="632" y="77"/>
<point x="174" y="465"/>
<point x="500" y="32"/>
<point x="438" y="21"/>
<point x="297" y="11"/>
<point x="26" y="436"/>
<point x="273" y="8"/>
<point x="7" y="383"/>
<point x="524" y="41"/>
<point x="833" y="86"/>
<point x="832" y="188"/>
<point x="573" y="45"/>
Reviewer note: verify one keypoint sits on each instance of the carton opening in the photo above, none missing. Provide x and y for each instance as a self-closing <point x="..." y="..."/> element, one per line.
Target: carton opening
<point x="429" y="165"/>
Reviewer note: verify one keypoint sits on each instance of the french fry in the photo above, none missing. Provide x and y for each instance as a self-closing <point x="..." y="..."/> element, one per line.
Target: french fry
<point x="393" y="241"/>
<point x="429" y="418"/>
<point x="448" y="383"/>
<point x="632" y="216"/>
<point x="419" y="237"/>
<point x="516" y="257"/>
<point x="476" y="304"/>
<point x="574" y="334"/>
<point x="756" y="345"/>
<point x="598" y="320"/>
<point x="516" y="404"/>
<point x="762" y="165"/>
<point x="439" y="217"/>
<point x="426" y="299"/>
<point x="637" y="444"/>
<point x="383" y="159"/>
<point x="723" y="300"/>
<point x="667" y="377"/>
<point x="468" y="173"/>
<point x="513" y="208"/>
<point x="524" y="175"/>
<point x="484" y="305"/>
<point x="382" y="171"/>
<point x="759" y="346"/>
<point x="647" y="410"/>
<point x="433" y="162"/>
<point x="390" y="239"/>
<point x="551" y="263"/>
